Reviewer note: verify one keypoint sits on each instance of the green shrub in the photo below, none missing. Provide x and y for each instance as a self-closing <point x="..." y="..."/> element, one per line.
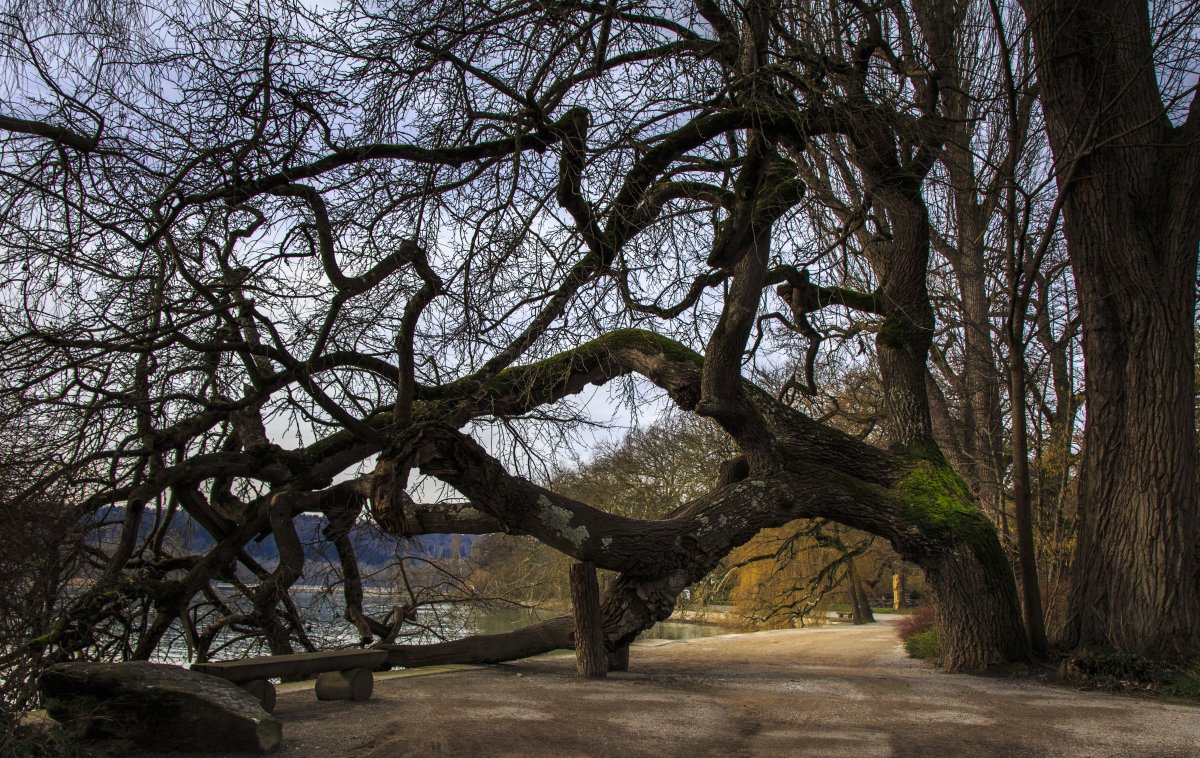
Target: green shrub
<point x="924" y="645"/>
<point x="1184" y="682"/>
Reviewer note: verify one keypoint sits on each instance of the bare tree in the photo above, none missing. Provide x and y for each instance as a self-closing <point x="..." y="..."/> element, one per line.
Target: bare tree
<point x="384" y="233"/>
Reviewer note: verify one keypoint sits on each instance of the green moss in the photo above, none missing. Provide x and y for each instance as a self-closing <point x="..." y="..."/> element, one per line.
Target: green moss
<point x="893" y="332"/>
<point x="648" y="342"/>
<point x="937" y="501"/>
<point x="585" y="357"/>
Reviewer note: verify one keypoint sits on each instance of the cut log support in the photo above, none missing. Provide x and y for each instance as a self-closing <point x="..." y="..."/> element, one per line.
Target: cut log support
<point x="352" y="684"/>
<point x="591" y="659"/>
<point x="262" y="691"/>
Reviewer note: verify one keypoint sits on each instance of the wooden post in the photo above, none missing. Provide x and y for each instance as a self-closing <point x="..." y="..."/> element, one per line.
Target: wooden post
<point x="897" y="590"/>
<point x="352" y="684"/>
<point x="591" y="660"/>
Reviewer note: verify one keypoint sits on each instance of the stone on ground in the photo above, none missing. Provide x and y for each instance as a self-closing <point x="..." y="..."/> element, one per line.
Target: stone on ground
<point x="158" y="706"/>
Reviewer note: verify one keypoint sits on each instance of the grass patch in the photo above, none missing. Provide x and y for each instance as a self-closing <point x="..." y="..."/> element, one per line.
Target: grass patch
<point x="918" y="630"/>
<point x="924" y="645"/>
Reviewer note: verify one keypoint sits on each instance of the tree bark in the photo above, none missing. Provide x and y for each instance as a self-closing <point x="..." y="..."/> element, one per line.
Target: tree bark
<point x="858" y="597"/>
<point x="591" y="660"/>
<point x="1031" y="595"/>
<point x="1131" y="216"/>
<point x="618" y="659"/>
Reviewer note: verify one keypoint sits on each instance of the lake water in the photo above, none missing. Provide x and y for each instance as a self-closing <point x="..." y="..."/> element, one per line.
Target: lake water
<point x="434" y="623"/>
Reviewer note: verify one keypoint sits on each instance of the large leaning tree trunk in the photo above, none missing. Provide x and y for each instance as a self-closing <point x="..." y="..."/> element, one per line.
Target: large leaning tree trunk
<point x="1131" y="207"/>
<point x="729" y="165"/>
<point x="975" y="601"/>
<point x="916" y="501"/>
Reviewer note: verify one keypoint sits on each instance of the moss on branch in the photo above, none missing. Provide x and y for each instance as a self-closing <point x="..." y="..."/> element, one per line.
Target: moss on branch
<point x="937" y="501"/>
<point x="552" y="373"/>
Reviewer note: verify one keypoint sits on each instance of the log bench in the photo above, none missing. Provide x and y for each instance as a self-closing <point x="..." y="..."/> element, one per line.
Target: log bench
<point x="343" y="674"/>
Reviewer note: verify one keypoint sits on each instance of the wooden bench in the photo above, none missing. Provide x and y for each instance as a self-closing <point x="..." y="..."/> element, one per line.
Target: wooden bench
<point x="343" y="674"/>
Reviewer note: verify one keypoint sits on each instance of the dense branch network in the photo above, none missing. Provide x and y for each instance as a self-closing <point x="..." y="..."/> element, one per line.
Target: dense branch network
<point x="366" y="231"/>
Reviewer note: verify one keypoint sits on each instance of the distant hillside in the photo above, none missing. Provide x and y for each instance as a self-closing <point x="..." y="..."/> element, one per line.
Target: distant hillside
<point x="374" y="549"/>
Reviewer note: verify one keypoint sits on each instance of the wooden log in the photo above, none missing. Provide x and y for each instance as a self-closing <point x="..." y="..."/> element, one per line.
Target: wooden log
<point x="352" y="684"/>
<point x="618" y="660"/>
<point x="591" y="660"/>
<point x="263" y="691"/>
<point x="542" y="637"/>
<point x="293" y="665"/>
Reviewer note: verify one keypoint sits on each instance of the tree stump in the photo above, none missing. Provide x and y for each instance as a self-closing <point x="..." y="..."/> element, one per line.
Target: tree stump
<point x="352" y="684"/>
<point x="591" y="659"/>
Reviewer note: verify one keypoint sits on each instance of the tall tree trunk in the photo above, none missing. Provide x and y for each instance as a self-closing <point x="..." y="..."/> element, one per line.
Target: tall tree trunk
<point x="1031" y="595"/>
<point x="1132" y="224"/>
<point x="858" y="597"/>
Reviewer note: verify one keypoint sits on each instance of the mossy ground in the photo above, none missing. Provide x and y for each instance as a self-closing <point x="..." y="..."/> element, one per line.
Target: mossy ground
<point x="1184" y="682"/>
<point x="1117" y="671"/>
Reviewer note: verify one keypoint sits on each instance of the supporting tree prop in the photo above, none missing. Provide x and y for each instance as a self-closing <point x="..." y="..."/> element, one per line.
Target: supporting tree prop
<point x="591" y="660"/>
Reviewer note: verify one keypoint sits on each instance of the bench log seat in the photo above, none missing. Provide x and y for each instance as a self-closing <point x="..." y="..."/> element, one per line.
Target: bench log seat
<point x="344" y="674"/>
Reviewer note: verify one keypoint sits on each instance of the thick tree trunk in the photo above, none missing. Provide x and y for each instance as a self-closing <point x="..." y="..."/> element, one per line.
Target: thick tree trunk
<point x="618" y="659"/>
<point x="975" y="600"/>
<point x="1137" y="587"/>
<point x="914" y="500"/>
<point x="1132" y="222"/>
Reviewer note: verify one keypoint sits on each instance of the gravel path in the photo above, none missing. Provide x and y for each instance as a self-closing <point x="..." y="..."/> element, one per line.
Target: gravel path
<point x="838" y="690"/>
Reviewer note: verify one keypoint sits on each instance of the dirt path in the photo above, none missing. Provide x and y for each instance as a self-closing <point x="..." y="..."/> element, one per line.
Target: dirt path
<point x="832" y="691"/>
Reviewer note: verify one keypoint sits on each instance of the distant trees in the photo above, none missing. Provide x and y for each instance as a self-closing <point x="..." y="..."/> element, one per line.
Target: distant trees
<point x="263" y="261"/>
